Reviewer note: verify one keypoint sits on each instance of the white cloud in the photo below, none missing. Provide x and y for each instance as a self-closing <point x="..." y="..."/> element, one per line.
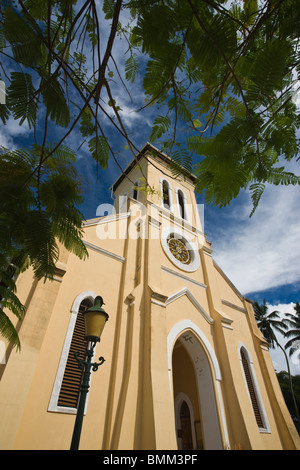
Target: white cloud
<point x="262" y="252"/>
<point x="11" y="130"/>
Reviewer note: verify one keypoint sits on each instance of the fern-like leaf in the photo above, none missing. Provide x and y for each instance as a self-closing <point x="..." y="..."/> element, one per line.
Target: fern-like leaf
<point x="257" y="190"/>
<point x="99" y="149"/>
<point x="20" y="98"/>
<point x="131" y="68"/>
<point x="160" y="127"/>
<point x="24" y="36"/>
<point x="55" y="101"/>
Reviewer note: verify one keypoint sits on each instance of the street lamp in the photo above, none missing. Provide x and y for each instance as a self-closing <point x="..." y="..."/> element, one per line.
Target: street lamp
<point x="95" y="318"/>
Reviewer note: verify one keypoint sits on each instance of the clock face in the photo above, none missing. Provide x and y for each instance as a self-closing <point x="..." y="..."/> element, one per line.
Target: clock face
<point x="179" y="250"/>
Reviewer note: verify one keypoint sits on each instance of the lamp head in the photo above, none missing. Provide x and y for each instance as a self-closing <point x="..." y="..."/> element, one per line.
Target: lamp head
<point x="95" y="318"/>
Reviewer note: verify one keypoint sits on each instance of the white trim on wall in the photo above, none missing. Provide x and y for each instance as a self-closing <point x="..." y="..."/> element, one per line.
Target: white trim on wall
<point x="187" y="217"/>
<point x="64" y="355"/>
<point x="211" y="426"/>
<point x="171" y="209"/>
<point x="195" y="262"/>
<point x="263" y="413"/>
<point x="185" y="291"/>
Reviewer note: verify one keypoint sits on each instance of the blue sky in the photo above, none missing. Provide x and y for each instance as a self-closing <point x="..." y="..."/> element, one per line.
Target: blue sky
<point x="260" y="255"/>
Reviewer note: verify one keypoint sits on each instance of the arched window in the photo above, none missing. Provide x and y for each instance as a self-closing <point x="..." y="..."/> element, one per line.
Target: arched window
<point x="181" y="204"/>
<point x="135" y="191"/>
<point x="70" y="386"/>
<point x="166" y="198"/>
<point x="66" y="389"/>
<point x="253" y="389"/>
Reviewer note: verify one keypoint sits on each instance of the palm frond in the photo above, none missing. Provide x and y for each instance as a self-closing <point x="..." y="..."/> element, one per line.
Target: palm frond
<point x="8" y="330"/>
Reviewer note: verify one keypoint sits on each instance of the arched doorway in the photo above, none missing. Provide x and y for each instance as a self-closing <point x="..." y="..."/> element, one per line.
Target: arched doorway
<point x="186" y="427"/>
<point x="192" y="380"/>
<point x="187" y="409"/>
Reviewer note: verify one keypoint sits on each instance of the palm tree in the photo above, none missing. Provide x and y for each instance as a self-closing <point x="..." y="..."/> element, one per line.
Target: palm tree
<point x="294" y="322"/>
<point x="268" y="323"/>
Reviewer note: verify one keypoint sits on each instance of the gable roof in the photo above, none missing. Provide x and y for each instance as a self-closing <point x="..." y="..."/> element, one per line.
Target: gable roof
<point x="148" y="147"/>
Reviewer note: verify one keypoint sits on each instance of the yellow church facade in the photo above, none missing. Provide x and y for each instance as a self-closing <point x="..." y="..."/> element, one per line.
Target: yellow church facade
<point x="186" y="367"/>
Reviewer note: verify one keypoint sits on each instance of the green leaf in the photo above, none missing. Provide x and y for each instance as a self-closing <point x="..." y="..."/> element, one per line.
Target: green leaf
<point x="8" y="330"/>
<point x="87" y="127"/>
<point x="257" y="190"/>
<point x="99" y="149"/>
<point x="197" y="123"/>
<point x="55" y="101"/>
<point x="160" y="127"/>
<point x="4" y="113"/>
<point x="131" y="68"/>
<point x="24" y="36"/>
<point x="108" y="9"/>
<point x="20" y="98"/>
<point x="266" y="70"/>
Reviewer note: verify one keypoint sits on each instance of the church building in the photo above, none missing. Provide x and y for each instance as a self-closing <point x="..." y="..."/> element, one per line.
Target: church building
<point x="186" y="366"/>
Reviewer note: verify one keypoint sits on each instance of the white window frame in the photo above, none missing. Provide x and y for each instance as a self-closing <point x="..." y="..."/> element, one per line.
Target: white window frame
<point x="171" y="209"/>
<point x="186" y="211"/>
<point x="53" y="406"/>
<point x="136" y="185"/>
<point x="260" y="403"/>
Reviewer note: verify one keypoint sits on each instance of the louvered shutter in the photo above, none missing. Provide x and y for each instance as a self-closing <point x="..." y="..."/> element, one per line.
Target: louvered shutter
<point x="251" y="389"/>
<point x="70" y="387"/>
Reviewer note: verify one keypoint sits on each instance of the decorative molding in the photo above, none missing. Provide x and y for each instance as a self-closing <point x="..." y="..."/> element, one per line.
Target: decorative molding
<point x="104" y="252"/>
<point x="178" y="329"/>
<point x="154" y="222"/>
<point x="182" y="276"/>
<point x="88" y="294"/>
<point x="207" y="251"/>
<point x="195" y="263"/>
<point x="240" y="296"/>
<point x="158" y="298"/>
<point x="156" y="302"/>
<point x="185" y="291"/>
<point x="226" y="325"/>
<point x="106" y="219"/>
<point x="60" y="271"/>
<point x="231" y="305"/>
<point x="130" y="299"/>
<point x="170" y="216"/>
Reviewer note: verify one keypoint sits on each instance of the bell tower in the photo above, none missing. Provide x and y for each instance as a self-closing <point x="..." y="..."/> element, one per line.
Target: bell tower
<point x="170" y="205"/>
<point x="149" y="179"/>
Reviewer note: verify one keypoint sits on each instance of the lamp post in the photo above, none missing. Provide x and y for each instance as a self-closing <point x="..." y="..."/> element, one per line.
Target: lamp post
<point x="95" y="318"/>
